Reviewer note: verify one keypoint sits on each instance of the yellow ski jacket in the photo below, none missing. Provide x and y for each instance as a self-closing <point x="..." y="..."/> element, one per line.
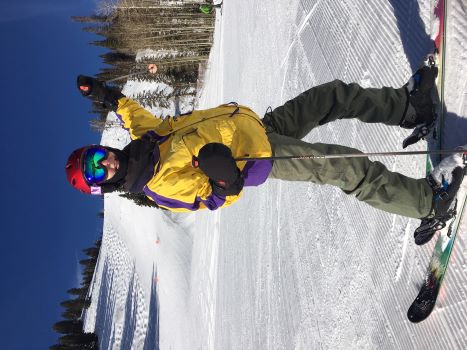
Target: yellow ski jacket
<point x="177" y="185"/>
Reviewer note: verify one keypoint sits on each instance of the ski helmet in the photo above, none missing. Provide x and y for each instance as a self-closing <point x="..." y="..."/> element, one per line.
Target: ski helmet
<point x="74" y="172"/>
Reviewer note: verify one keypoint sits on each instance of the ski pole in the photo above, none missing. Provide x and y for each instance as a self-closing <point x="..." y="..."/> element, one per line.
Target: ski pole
<point x="352" y="155"/>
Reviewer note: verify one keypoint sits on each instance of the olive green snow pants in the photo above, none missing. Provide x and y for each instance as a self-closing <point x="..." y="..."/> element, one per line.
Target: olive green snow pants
<point x="370" y="182"/>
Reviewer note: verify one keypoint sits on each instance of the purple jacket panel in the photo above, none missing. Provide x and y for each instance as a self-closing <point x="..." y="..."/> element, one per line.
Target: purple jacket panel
<point x="256" y="172"/>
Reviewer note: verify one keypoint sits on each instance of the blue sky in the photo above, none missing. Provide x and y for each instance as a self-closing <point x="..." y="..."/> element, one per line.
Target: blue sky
<point x="45" y="223"/>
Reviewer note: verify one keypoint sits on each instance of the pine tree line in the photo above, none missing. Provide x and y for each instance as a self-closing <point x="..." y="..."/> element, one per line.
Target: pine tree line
<point x="71" y="326"/>
<point x="179" y="34"/>
<point x="141" y="200"/>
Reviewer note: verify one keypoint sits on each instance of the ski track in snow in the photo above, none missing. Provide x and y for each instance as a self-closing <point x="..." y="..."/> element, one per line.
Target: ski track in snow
<point x="291" y="265"/>
<point x="407" y="236"/>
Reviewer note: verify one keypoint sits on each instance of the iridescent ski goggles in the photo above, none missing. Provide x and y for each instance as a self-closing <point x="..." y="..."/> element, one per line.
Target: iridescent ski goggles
<point x="94" y="171"/>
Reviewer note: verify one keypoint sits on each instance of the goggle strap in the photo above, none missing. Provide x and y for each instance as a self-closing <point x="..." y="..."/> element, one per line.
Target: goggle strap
<point x="96" y="190"/>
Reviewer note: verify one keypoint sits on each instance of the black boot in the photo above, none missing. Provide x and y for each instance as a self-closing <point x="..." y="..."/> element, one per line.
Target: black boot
<point x="421" y="107"/>
<point x="444" y="197"/>
<point x="421" y="112"/>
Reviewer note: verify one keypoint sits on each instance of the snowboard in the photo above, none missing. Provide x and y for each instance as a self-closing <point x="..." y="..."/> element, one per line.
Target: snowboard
<point x="425" y="301"/>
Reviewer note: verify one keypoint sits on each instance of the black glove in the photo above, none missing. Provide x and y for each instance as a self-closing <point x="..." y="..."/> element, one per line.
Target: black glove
<point x="99" y="92"/>
<point x="217" y="162"/>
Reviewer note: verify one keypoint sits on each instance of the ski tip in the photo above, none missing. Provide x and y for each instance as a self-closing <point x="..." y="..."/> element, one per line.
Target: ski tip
<point x="419" y="311"/>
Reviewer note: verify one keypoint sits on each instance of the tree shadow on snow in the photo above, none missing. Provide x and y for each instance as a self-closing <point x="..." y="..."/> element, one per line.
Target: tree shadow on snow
<point x="131" y="314"/>
<point x="152" y="334"/>
<point x="151" y="339"/>
<point x="417" y="44"/>
<point x="105" y="309"/>
<point x="454" y="135"/>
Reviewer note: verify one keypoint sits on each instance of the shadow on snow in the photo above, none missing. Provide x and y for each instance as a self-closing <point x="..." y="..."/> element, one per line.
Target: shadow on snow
<point x="106" y="309"/>
<point x="417" y="44"/>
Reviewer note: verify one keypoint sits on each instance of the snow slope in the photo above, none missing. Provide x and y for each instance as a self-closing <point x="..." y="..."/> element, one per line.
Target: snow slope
<point x="291" y="265"/>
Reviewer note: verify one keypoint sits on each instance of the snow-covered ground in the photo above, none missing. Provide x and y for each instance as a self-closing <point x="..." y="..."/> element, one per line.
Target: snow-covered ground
<point x="291" y="265"/>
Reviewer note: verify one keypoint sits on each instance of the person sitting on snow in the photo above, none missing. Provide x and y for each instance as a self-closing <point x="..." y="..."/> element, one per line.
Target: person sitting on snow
<point x="189" y="163"/>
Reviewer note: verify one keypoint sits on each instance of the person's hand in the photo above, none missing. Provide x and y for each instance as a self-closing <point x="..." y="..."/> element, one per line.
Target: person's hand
<point x="443" y="172"/>
<point x="217" y="162"/>
<point x="99" y="92"/>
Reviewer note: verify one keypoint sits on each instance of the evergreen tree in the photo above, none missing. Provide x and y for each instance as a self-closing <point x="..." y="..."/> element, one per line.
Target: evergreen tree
<point x="93" y="251"/>
<point x="140" y="199"/>
<point x="181" y="36"/>
<point x="70" y="314"/>
<point x="86" y="281"/>
<point x="84" y="339"/>
<point x="88" y="262"/>
<point x="73" y="347"/>
<point x="72" y="325"/>
<point x="90" y="19"/>
<point x="115" y="58"/>
<point x="68" y="326"/>
<point x="58" y="347"/>
<point x="77" y="291"/>
<point x="76" y="304"/>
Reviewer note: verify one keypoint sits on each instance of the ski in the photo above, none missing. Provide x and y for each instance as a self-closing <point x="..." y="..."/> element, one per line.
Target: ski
<point x="425" y="301"/>
<point x="438" y="56"/>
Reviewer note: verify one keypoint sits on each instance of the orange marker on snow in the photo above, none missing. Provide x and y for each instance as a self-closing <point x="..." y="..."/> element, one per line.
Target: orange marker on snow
<point x="152" y="68"/>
